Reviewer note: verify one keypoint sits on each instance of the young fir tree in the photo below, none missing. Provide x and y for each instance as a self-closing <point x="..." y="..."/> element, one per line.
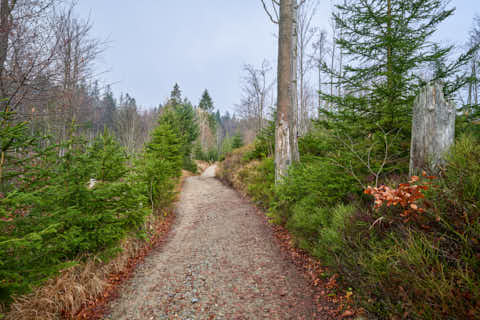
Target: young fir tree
<point x="175" y="95"/>
<point x="387" y="44"/>
<point x="109" y="158"/>
<point x="161" y="165"/>
<point x="109" y="106"/>
<point x="181" y="117"/>
<point x="237" y="141"/>
<point x="206" y="102"/>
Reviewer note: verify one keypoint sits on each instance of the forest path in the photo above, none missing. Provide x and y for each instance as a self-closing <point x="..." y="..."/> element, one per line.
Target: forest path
<point x="221" y="261"/>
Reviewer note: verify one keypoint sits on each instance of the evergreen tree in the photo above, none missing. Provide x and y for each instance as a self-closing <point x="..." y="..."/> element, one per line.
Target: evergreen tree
<point x="387" y="43"/>
<point x="206" y="102"/>
<point x="237" y="141"/>
<point x="175" y="95"/>
<point x="109" y="158"/>
<point x="109" y="106"/>
<point x="181" y="118"/>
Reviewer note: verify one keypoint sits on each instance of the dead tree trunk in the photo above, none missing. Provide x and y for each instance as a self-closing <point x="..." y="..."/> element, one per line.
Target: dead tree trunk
<point x="433" y="129"/>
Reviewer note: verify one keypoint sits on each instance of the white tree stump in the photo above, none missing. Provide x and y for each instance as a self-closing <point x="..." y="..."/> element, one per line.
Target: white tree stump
<point x="433" y="129"/>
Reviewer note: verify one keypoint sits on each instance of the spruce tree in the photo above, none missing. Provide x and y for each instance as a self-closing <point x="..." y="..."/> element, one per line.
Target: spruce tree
<point x="109" y="106"/>
<point x="388" y="45"/>
<point x="237" y="141"/>
<point x="175" y="95"/>
<point x="206" y="102"/>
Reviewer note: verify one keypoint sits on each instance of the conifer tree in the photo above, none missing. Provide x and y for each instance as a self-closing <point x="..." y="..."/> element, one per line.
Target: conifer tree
<point x="388" y="44"/>
<point x="175" y="95"/>
<point x="109" y="158"/>
<point x="237" y="141"/>
<point x="109" y="106"/>
<point x="206" y="102"/>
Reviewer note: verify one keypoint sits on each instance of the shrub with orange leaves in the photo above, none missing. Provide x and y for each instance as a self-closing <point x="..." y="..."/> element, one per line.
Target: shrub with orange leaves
<point x="406" y="195"/>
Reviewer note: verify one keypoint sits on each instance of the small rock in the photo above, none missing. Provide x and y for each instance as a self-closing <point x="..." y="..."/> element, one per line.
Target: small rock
<point x="194" y="300"/>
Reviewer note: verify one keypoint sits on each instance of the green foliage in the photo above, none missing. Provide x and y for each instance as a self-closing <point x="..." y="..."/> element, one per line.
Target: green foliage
<point x="237" y="141"/>
<point x="206" y="102"/>
<point x="427" y="268"/>
<point x="160" y="165"/>
<point x="261" y="182"/>
<point x="60" y="218"/>
<point x="108" y="158"/>
<point x="264" y="145"/>
<point x="313" y="184"/>
<point x="181" y="119"/>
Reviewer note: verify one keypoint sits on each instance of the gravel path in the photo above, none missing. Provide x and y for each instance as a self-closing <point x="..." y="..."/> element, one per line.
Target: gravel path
<point x="220" y="262"/>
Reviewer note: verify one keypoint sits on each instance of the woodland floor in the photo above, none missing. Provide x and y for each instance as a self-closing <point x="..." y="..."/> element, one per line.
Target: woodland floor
<point x="220" y="261"/>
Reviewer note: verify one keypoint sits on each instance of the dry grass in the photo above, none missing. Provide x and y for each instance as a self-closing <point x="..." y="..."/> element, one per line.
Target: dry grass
<point x="202" y="165"/>
<point x="65" y="295"/>
<point x="230" y="170"/>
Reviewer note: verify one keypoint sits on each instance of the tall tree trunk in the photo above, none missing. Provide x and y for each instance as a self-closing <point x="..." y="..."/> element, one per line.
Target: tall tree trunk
<point x="294" y="93"/>
<point x="332" y="62"/>
<point x="389" y="62"/>
<point x="5" y="26"/>
<point x="285" y="94"/>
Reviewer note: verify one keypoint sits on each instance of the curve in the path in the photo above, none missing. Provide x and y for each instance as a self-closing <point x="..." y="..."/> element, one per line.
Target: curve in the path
<point x="220" y="262"/>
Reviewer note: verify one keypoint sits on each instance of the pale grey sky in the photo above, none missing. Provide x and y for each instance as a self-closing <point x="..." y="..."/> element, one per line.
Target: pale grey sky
<point x="200" y="44"/>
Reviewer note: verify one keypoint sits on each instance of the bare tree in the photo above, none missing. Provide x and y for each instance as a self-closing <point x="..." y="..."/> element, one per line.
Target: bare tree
<point x="306" y="34"/>
<point x="255" y="91"/>
<point x="319" y="59"/>
<point x="74" y="57"/>
<point x="474" y="40"/>
<point x="27" y="47"/>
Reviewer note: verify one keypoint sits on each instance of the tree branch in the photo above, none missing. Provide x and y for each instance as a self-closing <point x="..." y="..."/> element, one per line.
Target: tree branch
<point x="268" y="12"/>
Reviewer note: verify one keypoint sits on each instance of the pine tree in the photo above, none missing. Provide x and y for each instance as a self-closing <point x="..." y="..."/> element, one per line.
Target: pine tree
<point x="206" y="102"/>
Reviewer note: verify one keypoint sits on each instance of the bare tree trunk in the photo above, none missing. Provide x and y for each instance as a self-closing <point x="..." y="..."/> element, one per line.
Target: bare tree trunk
<point x="332" y="62"/>
<point x="433" y="129"/>
<point x="286" y="88"/>
<point x="475" y="83"/>
<point x="294" y="93"/>
<point x="5" y="26"/>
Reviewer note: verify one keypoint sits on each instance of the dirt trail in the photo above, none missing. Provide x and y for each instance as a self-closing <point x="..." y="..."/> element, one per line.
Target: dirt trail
<point x="220" y="262"/>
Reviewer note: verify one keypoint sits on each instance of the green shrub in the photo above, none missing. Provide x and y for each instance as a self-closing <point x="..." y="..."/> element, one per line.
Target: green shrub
<point x="318" y="181"/>
<point x="261" y="182"/>
<point x="63" y="218"/>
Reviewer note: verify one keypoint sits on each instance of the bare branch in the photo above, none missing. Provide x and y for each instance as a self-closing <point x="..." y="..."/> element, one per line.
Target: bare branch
<point x="268" y="12"/>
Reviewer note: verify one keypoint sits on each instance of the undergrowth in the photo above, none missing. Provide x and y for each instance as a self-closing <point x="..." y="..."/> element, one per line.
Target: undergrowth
<point x="414" y="257"/>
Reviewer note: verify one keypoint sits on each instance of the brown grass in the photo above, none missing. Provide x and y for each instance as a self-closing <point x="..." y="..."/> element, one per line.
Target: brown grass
<point x="232" y="170"/>
<point x="82" y="285"/>
<point x="202" y="165"/>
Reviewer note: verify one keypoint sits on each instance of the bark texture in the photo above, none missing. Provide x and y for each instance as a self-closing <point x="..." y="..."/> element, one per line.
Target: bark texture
<point x="286" y="147"/>
<point x="433" y="129"/>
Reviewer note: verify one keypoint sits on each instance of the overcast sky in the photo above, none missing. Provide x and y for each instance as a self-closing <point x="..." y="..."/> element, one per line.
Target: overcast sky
<point x="200" y="44"/>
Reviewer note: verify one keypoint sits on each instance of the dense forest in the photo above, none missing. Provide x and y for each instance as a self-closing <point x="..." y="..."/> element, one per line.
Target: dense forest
<point x="321" y="139"/>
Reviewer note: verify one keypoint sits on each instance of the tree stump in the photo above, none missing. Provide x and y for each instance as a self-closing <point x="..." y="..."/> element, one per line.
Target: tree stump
<point x="433" y="129"/>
